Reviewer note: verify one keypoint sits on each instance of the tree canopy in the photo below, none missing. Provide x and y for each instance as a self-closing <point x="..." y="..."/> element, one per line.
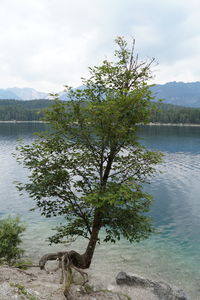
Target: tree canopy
<point x="90" y="168"/>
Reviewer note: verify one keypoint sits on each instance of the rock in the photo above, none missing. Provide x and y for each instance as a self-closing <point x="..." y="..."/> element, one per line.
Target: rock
<point x="133" y="280"/>
<point x="162" y="290"/>
<point x="165" y="291"/>
<point x="8" y="292"/>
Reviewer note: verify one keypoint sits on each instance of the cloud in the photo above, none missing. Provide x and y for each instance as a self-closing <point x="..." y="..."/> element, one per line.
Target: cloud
<point x="46" y="44"/>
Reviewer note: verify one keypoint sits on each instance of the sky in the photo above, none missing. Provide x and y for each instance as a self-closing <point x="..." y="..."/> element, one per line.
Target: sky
<point x="46" y="44"/>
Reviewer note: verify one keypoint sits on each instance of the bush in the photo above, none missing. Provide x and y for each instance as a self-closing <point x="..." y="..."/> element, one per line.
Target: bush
<point x="10" y="239"/>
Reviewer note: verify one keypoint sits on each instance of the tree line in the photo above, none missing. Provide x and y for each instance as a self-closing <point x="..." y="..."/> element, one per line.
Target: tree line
<point x="16" y="110"/>
<point x="32" y="110"/>
<point x="168" y="113"/>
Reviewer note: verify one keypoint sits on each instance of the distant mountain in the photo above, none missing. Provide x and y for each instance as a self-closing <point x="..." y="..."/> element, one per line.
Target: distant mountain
<point x="28" y="93"/>
<point x="7" y="94"/>
<point x="22" y="94"/>
<point x="179" y="93"/>
<point x="63" y="95"/>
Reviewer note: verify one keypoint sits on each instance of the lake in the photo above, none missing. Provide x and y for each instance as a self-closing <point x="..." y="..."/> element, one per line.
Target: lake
<point x="173" y="254"/>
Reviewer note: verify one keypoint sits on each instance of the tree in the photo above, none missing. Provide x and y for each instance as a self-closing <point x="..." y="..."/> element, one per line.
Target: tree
<point x="90" y="167"/>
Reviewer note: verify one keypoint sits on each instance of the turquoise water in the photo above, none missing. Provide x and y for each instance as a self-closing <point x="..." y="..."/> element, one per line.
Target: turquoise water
<point x="173" y="254"/>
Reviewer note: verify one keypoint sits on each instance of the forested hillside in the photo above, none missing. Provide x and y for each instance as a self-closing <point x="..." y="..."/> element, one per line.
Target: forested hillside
<point x="31" y="110"/>
<point x="168" y="113"/>
<point x="11" y="110"/>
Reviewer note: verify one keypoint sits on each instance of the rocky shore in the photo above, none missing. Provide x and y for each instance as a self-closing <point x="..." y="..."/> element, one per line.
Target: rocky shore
<point x="36" y="284"/>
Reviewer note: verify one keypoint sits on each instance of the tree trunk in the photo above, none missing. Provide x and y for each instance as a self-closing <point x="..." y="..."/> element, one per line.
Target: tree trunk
<point x="81" y="261"/>
<point x="93" y="239"/>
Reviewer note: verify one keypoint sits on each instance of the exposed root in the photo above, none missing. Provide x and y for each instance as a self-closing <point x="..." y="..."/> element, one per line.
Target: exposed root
<point x="85" y="279"/>
<point x="67" y="261"/>
<point x="50" y="256"/>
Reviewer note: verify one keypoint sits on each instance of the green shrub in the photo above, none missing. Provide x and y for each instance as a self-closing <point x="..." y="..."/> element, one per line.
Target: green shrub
<point x="10" y="239"/>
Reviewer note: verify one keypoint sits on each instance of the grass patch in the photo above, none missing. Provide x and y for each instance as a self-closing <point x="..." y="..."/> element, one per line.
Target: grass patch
<point x="23" y="265"/>
<point x="22" y="291"/>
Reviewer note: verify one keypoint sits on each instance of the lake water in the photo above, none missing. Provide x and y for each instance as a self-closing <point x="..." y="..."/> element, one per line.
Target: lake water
<point x="173" y="254"/>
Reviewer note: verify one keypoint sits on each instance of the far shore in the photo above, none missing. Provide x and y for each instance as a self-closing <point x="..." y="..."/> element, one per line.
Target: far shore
<point x="149" y="124"/>
<point x="15" y="121"/>
<point x="173" y="124"/>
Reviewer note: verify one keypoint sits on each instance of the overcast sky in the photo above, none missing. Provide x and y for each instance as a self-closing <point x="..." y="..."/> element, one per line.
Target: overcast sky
<point x="45" y="44"/>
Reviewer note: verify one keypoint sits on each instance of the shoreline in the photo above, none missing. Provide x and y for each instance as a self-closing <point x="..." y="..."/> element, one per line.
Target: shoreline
<point x="149" y="124"/>
<point x="37" y="284"/>
<point x="15" y="121"/>
<point x="173" y="124"/>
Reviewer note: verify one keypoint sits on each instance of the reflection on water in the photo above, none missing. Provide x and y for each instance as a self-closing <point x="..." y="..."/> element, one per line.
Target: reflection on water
<point x="173" y="253"/>
<point x="172" y="139"/>
<point x="25" y="130"/>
